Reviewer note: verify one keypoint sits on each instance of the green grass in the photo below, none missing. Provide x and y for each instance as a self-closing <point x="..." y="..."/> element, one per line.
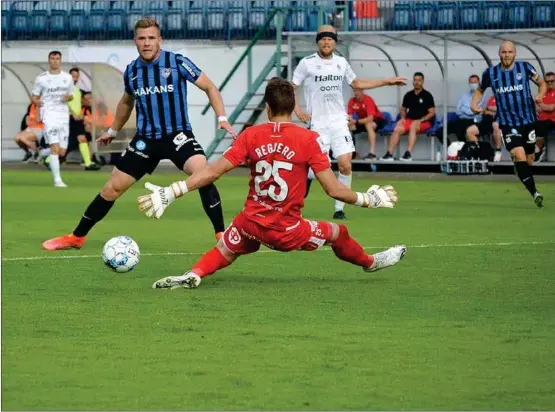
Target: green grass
<point x="451" y="327"/>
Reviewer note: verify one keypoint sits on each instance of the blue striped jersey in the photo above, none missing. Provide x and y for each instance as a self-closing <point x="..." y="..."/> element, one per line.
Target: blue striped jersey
<point x="515" y="104"/>
<point x="160" y="92"/>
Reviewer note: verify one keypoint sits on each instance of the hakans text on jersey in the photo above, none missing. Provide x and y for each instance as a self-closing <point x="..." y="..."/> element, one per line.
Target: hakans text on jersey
<point x="154" y="90"/>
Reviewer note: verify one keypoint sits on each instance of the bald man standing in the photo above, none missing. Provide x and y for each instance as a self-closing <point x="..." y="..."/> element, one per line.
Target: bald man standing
<point x="322" y="75"/>
<point x="516" y="110"/>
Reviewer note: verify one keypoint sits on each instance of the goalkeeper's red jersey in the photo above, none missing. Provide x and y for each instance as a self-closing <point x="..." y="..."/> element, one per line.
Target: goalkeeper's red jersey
<point x="279" y="156"/>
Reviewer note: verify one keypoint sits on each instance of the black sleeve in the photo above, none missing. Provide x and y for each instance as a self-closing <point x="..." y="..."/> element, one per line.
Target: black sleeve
<point x="430" y="104"/>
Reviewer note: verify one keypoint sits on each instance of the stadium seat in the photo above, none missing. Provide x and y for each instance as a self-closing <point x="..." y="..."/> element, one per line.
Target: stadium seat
<point x="20" y="18"/>
<point x="424" y="15"/>
<point x="96" y="23"/>
<point x="297" y="19"/>
<point x="237" y="15"/>
<point x="175" y="27"/>
<point x="542" y="13"/>
<point x="389" y="123"/>
<point x="470" y="16"/>
<point x="518" y="14"/>
<point x="78" y="17"/>
<point x="116" y="18"/>
<point x="59" y="18"/>
<point x="494" y="14"/>
<point x="5" y="19"/>
<point x="39" y="18"/>
<point x="257" y="12"/>
<point x="196" y="19"/>
<point x="447" y="15"/>
<point x="215" y="16"/>
<point x="402" y="16"/>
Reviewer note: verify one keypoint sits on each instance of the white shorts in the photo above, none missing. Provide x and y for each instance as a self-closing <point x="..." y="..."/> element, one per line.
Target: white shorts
<point x="37" y="132"/>
<point x="57" y="132"/>
<point x="336" y="137"/>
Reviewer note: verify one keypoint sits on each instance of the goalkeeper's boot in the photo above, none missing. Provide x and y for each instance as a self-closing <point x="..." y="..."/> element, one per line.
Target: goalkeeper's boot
<point x="188" y="281"/>
<point x="387" y="258"/>
<point x="64" y="242"/>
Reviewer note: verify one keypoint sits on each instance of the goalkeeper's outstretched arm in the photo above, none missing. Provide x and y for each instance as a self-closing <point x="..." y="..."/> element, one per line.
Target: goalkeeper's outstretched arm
<point x="209" y="174"/>
<point x="375" y="196"/>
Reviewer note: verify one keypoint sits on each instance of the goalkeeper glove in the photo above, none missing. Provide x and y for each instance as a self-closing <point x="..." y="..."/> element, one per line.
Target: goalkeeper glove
<point x="376" y="197"/>
<point x="155" y="203"/>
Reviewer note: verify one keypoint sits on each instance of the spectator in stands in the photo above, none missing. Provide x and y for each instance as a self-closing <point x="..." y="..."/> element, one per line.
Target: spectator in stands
<point x="365" y="117"/>
<point x="546" y="117"/>
<point x="417" y="114"/>
<point x="487" y="126"/>
<point x="31" y="133"/>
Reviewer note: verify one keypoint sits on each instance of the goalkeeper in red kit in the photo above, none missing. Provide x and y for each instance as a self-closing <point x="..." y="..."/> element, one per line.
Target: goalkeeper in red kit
<point x="279" y="154"/>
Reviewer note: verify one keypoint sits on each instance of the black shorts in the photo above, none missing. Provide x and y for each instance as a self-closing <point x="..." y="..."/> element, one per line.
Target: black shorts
<point x="519" y="136"/>
<point x="143" y="155"/>
<point x="485" y="126"/>
<point x="543" y="127"/>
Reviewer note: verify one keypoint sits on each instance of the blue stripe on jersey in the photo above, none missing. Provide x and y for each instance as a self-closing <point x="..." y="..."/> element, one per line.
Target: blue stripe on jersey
<point x="509" y="76"/>
<point x="175" y="97"/>
<point x="159" y="114"/>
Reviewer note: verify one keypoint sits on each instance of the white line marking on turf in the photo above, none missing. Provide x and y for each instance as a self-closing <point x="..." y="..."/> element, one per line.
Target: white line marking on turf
<point x="422" y="246"/>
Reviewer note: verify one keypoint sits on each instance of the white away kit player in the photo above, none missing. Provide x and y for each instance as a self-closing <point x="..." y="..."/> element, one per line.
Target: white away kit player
<point x="53" y="89"/>
<point x="322" y="75"/>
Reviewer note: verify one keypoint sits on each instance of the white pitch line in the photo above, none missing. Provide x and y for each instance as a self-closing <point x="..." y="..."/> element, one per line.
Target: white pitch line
<point x="421" y="246"/>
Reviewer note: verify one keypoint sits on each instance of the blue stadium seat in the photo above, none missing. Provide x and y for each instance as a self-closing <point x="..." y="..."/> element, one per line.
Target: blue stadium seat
<point x="447" y="15"/>
<point x="116" y="19"/>
<point x="494" y="14"/>
<point x="542" y="13"/>
<point x="196" y="19"/>
<point x="175" y="27"/>
<point x="215" y="15"/>
<point x="297" y="20"/>
<point x="402" y="16"/>
<point x="424" y="15"/>
<point x="518" y="14"/>
<point x="20" y="18"/>
<point x="158" y="11"/>
<point x="39" y="17"/>
<point x="97" y="19"/>
<point x="6" y="6"/>
<point x="257" y="12"/>
<point x="78" y="17"/>
<point x="470" y="16"/>
<point x="59" y="18"/>
<point x="136" y="11"/>
<point x="237" y="15"/>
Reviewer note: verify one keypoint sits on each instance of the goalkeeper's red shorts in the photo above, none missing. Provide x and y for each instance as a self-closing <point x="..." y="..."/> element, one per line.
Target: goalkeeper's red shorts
<point x="244" y="236"/>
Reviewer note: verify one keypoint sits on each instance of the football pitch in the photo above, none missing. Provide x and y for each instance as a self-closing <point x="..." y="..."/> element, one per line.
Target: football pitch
<point x="465" y="321"/>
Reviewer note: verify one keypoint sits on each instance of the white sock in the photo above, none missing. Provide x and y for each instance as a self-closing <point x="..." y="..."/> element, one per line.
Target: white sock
<point x="44" y="152"/>
<point x="346" y="180"/>
<point x="55" y="167"/>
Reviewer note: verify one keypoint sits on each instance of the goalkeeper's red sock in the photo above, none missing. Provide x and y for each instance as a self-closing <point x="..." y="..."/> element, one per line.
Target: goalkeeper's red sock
<point x="210" y="262"/>
<point x="348" y="249"/>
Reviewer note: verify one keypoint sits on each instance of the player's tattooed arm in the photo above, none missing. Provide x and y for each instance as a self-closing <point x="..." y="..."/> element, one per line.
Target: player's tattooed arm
<point x="477" y="97"/>
<point x="216" y="101"/>
<point x="542" y="90"/>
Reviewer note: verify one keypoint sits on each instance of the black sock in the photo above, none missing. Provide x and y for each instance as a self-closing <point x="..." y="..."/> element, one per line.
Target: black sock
<point x="524" y="172"/>
<point x="96" y="211"/>
<point x="308" y="183"/>
<point x="212" y="204"/>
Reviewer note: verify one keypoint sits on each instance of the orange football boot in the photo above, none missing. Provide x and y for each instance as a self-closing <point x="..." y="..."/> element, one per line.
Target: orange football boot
<point x="219" y="236"/>
<point x="64" y="242"/>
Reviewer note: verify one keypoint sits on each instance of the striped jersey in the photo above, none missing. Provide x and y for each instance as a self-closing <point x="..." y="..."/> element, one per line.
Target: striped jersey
<point x="160" y="92"/>
<point x="511" y="88"/>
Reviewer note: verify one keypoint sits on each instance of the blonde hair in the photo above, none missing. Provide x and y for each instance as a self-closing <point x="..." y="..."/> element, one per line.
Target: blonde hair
<point x="146" y="22"/>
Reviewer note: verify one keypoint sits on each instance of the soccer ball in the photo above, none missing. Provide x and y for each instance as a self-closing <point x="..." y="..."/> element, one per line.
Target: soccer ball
<point x="121" y="254"/>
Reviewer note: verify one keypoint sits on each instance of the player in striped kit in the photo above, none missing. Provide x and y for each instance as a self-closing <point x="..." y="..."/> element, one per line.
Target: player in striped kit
<point x="516" y="110"/>
<point x="156" y="85"/>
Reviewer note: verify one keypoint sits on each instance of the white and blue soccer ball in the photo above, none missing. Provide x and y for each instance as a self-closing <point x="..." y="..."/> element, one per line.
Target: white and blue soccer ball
<point x="121" y="254"/>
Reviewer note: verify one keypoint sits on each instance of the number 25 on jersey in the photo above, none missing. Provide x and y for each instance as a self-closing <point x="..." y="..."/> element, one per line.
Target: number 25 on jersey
<point x="278" y="189"/>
